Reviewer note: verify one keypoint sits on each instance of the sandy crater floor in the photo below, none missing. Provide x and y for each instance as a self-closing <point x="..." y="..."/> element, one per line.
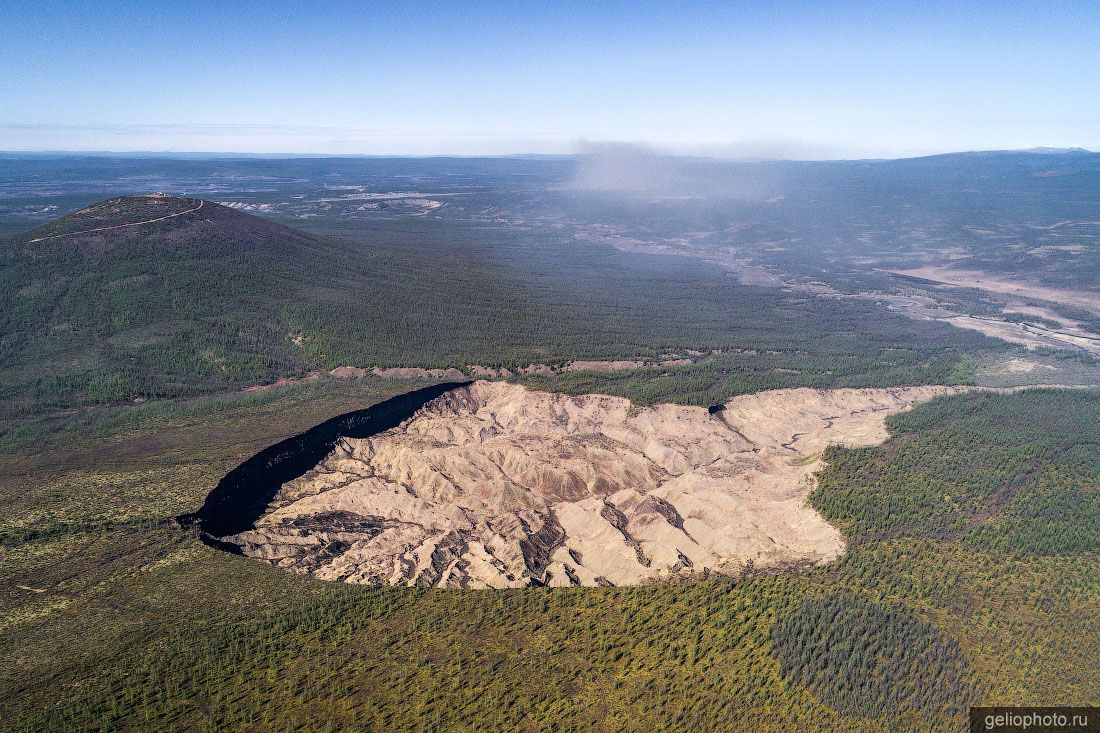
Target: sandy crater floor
<point x="493" y="485"/>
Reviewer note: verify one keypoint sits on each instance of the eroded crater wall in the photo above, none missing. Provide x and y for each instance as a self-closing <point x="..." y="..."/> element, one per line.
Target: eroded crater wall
<point x="494" y="485"/>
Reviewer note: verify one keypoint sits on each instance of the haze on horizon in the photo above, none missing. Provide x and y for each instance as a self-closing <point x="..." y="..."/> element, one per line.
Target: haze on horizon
<point x="808" y="80"/>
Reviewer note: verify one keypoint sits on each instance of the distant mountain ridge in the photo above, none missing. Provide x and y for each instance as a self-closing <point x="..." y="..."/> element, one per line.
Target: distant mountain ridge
<point x="169" y="155"/>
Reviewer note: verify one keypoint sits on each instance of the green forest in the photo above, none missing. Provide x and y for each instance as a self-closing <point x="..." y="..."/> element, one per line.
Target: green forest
<point x="216" y="300"/>
<point x="971" y="573"/>
<point x="930" y="610"/>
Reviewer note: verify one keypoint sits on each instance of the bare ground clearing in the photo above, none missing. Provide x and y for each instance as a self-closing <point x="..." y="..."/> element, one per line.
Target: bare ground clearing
<point x="494" y="485"/>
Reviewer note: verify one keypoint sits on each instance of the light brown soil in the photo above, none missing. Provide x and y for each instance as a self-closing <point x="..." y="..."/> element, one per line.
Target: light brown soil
<point x="495" y="485"/>
<point x="603" y="366"/>
<point x="477" y="371"/>
<point x="997" y="284"/>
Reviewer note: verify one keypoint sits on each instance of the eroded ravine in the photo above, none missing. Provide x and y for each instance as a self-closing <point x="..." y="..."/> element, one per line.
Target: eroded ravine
<point x="493" y="485"/>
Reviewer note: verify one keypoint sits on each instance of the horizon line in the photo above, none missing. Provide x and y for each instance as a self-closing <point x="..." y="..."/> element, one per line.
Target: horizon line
<point x="213" y="154"/>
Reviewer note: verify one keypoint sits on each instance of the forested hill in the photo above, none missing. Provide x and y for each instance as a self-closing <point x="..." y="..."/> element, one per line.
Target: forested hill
<point x="143" y="296"/>
<point x="156" y="225"/>
<point x="146" y="297"/>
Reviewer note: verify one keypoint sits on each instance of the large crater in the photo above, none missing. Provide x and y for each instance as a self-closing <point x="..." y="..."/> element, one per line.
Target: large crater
<point x="492" y="485"/>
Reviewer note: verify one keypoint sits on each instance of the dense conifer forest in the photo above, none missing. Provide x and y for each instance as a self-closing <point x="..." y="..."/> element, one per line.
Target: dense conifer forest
<point x="215" y="299"/>
<point x="972" y="568"/>
<point x="926" y="613"/>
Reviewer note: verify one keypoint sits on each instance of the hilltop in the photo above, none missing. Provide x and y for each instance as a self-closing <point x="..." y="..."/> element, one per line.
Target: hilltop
<point x="117" y="213"/>
<point x="161" y="223"/>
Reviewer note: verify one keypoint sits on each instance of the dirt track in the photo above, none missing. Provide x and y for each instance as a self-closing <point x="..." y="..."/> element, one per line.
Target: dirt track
<point x="119" y="226"/>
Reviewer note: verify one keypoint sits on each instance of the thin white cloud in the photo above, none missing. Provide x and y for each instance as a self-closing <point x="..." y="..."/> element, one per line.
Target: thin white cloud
<point x="333" y="140"/>
<point x="252" y="138"/>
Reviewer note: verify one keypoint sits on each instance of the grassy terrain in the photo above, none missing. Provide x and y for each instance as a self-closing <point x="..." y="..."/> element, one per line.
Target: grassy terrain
<point x="133" y="624"/>
<point x="147" y="463"/>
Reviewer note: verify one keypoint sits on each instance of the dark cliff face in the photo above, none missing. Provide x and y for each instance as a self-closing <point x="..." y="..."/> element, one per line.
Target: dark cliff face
<point x="241" y="496"/>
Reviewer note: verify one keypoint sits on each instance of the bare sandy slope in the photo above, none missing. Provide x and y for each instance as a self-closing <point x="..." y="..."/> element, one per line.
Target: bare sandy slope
<point x="495" y="485"/>
<point x="1026" y="334"/>
<point x="1020" y="297"/>
<point x="1005" y="286"/>
<point x="478" y="371"/>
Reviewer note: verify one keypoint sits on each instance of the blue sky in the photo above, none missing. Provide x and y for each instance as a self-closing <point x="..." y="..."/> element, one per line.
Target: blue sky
<point x="803" y="80"/>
